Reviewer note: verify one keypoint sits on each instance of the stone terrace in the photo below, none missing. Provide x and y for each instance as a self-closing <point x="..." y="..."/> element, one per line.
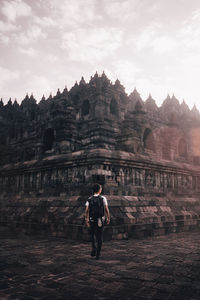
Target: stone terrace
<point x="147" y="159"/>
<point x="165" y="267"/>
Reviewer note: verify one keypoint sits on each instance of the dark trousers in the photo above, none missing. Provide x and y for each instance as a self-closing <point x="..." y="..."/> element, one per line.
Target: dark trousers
<point x="96" y="236"/>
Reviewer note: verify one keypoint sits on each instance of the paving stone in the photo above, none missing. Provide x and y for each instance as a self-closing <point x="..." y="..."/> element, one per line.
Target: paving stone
<point x="159" y="268"/>
<point x="4" y="286"/>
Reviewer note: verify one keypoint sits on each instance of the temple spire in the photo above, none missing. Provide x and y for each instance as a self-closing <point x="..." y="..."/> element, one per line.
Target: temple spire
<point x="31" y="97"/>
<point x="50" y="96"/>
<point x="65" y="91"/>
<point x="119" y="86"/>
<point x="184" y="108"/>
<point x="26" y="97"/>
<point x="9" y="101"/>
<point x="96" y="75"/>
<point x="150" y="104"/>
<point x="82" y="81"/>
<point x="135" y="95"/>
<point x="58" y="93"/>
<point x="195" y="111"/>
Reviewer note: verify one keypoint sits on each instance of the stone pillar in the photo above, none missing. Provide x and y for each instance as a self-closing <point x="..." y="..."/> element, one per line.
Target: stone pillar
<point x="194" y="183"/>
<point x="142" y="177"/>
<point x="179" y="182"/>
<point x="161" y="180"/>
<point x="172" y="181"/>
<point x="165" y="181"/>
<point x="121" y="176"/>
<point x="157" y="180"/>
<point x="137" y="177"/>
<point x="198" y="183"/>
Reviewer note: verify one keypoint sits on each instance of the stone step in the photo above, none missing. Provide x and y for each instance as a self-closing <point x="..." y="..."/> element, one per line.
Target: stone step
<point x="130" y="216"/>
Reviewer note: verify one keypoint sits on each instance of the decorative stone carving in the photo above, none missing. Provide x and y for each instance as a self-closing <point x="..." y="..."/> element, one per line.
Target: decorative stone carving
<point x="95" y="132"/>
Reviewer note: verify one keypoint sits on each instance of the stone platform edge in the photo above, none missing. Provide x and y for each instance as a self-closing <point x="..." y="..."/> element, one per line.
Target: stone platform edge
<point x="131" y="216"/>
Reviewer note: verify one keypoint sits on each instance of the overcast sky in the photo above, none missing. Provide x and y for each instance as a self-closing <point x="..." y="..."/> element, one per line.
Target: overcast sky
<point x="153" y="45"/>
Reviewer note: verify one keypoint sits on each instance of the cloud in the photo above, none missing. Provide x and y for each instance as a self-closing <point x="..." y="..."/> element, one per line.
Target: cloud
<point x="190" y="31"/>
<point x="28" y="51"/>
<point x="91" y="45"/>
<point x="122" y="10"/>
<point x="5" y="40"/>
<point x="52" y="58"/>
<point x="196" y="15"/>
<point x="31" y="35"/>
<point x="164" y="44"/>
<point x="7" y="75"/>
<point x="38" y="85"/>
<point x="14" y="9"/>
<point x="35" y="32"/>
<point x="6" y="30"/>
<point x="146" y="36"/>
<point x="44" y="21"/>
<point x="73" y="13"/>
<point x="7" y="27"/>
<point x="154" y="38"/>
<point x="185" y="78"/>
<point x="127" y="72"/>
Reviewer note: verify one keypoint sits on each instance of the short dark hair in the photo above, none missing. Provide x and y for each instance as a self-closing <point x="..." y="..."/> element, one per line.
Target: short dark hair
<point x="96" y="187"/>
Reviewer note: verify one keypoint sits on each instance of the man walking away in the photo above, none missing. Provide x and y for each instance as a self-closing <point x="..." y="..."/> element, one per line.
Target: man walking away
<point x="95" y="211"/>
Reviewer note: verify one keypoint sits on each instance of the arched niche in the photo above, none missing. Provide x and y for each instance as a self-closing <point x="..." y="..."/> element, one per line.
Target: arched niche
<point x="182" y="148"/>
<point x="166" y="154"/>
<point x="48" y="139"/>
<point x="148" y="140"/>
<point x="85" y="108"/>
<point x="114" y="107"/>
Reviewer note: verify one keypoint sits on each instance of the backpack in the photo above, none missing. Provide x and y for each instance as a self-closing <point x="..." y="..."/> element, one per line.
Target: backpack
<point x="96" y="207"/>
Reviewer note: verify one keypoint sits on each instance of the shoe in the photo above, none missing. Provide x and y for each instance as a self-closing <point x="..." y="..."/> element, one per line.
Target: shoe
<point x="98" y="256"/>
<point x="93" y="252"/>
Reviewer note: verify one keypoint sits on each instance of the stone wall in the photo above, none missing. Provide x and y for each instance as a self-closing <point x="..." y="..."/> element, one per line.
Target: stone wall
<point x="120" y="173"/>
<point x="131" y="216"/>
<point x="145" y="198"/>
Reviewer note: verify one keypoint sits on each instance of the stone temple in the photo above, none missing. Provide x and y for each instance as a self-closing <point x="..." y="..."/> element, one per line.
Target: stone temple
<point x="146" y="157"/>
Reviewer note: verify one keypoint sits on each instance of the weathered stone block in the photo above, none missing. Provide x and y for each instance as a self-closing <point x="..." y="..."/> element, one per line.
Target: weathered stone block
<point x="146" y="158"/>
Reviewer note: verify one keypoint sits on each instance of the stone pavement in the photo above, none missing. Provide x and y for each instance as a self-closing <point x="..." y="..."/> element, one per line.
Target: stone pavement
<point x="166" y="267"/>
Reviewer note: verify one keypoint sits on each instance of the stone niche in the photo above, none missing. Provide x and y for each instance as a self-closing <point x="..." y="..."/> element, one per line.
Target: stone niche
<point x="52" y="152"/>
